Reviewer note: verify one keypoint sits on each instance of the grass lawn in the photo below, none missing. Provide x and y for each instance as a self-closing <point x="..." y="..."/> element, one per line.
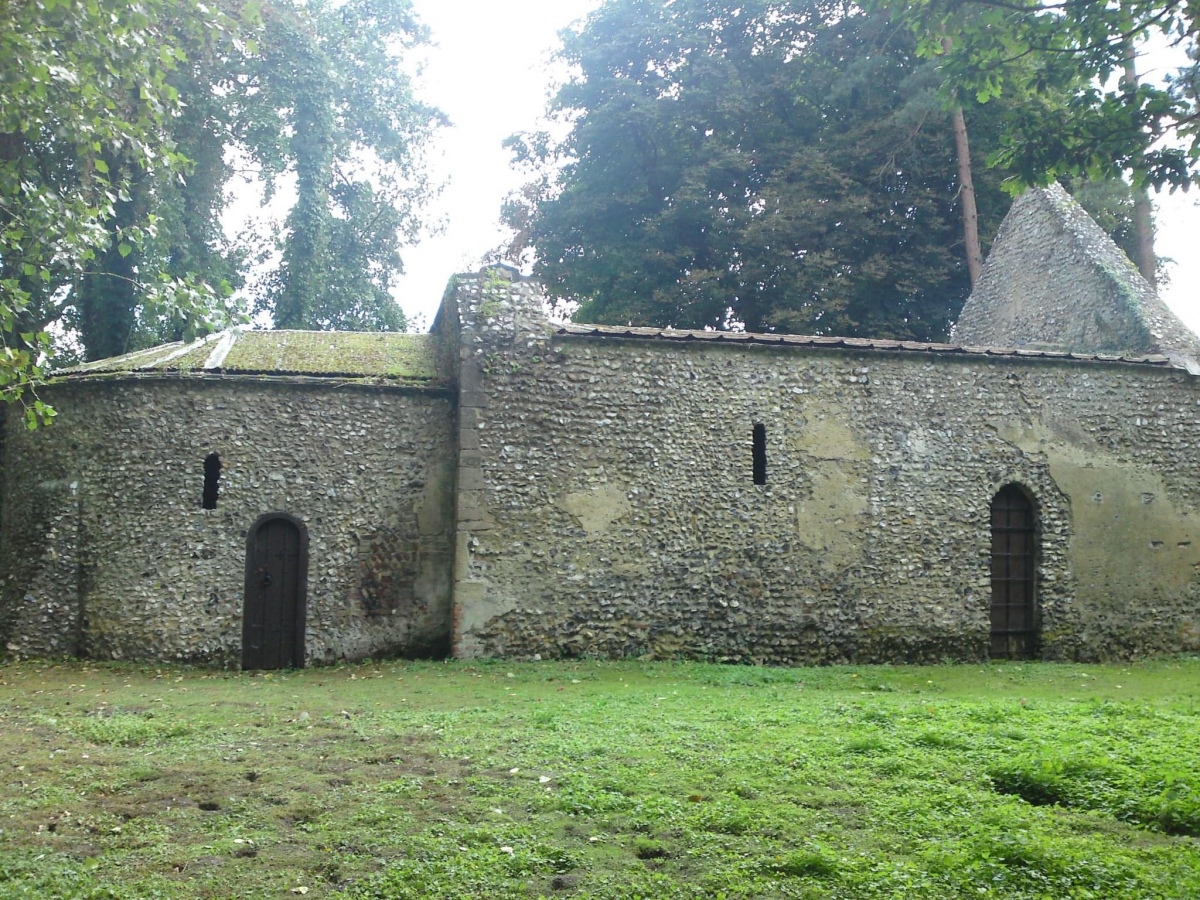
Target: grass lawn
<point x="607" y="780"/>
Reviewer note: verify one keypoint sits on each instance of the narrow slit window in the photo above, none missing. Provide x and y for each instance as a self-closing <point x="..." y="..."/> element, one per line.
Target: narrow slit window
<point x="212" y="475"/>
<point x="760" y="454"/>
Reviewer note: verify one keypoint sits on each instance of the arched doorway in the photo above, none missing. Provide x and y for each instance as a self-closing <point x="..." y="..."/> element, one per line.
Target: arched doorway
<point x="276" y="587"/>
<point x="1014" y="567"/>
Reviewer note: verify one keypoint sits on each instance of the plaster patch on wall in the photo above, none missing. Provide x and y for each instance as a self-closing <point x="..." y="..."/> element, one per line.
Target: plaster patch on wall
<point x="598" y="508"/>
<point x="475" y="607"/>
<point x="829" y="521"/>
<point x="436" y="502"/>
<point x="1131" y="543"/>
<point x="1024" y="436"/>
<point x="827" y="436"/>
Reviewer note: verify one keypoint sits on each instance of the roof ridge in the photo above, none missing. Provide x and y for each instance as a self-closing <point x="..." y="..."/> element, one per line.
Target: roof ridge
<point x="224" y="345"/>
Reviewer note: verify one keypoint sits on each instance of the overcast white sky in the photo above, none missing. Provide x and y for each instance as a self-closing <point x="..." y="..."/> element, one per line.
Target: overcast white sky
<point x="490" y="73"/>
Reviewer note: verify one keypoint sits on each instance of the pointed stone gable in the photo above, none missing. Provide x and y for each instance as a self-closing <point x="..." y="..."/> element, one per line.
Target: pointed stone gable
<point x="1055" y="280"/>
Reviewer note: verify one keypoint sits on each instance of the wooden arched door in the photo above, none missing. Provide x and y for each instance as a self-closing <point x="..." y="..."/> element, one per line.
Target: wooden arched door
<point x="276" y="586"/>
<point x="1014" y="566"/>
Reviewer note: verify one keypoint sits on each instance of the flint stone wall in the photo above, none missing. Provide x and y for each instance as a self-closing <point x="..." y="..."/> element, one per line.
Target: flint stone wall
<point x="593" y="495"/>
<point x="613" y="510"/>
<point x="1054" y="279"/>
<point x="107" y="552"/>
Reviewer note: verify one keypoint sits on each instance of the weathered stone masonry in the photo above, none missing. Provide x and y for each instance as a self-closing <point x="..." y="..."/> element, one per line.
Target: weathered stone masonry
<point x="618" y="514"/>
<point x="1054" y="279"/>
<point x="509" y="486"/>
<point x="108" y="553"/>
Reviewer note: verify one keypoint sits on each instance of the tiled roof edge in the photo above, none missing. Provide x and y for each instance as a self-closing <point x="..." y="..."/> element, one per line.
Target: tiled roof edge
<point x="871" y="344"/>
<point x="350" y="379"/>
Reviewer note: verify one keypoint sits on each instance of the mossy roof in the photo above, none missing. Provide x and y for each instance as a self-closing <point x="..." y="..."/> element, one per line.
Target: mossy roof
<point x="385" y="357"/>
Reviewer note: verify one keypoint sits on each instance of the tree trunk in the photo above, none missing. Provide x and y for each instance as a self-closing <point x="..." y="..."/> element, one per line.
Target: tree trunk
<point x="966" y="191"/>
<point x="12" y="146"/>
<point x="1143" y="225"/>
<point x="108" y="292"/>
<point x="1143" y="212"/>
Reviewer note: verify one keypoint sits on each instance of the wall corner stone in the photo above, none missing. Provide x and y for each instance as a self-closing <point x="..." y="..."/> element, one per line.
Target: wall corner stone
<point x="498" y="320"/>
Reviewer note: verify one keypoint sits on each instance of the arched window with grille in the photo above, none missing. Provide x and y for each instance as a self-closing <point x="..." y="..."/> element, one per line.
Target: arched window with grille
<point x="1014" y="571"/>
